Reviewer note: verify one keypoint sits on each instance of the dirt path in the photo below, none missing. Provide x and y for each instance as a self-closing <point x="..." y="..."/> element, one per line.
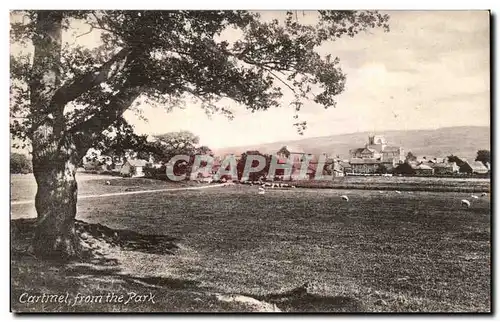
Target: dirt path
<point x="25" y="202"/>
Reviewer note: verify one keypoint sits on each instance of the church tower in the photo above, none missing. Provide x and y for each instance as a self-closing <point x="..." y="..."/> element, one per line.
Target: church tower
<point x="377" y="142"/>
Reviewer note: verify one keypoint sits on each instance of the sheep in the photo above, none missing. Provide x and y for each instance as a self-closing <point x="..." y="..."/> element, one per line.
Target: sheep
<point x="344" y="197"/>
<point x="261" y="191"/>
<point x="293" y="187"/>
<point x="484" y="194"/>
<point x="465" y="203"/>
<point x="108" y="183"/>
<point x="380" y="192"/>
<point x="398" y="192"/>
<point x="474" y="196"/>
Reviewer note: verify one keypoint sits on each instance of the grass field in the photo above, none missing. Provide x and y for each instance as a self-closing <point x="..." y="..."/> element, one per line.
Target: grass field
<point x="436" y="184"/>
<point x="23" y="187"/>
<point x="383" y="252"/>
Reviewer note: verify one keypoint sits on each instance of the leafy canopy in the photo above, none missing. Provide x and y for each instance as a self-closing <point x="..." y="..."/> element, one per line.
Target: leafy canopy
<point x="168" y="57"/>
<point x="19" y="163"/>
<point x="484" y="156"/>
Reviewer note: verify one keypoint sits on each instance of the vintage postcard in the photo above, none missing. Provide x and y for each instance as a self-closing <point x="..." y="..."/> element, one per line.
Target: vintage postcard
<point x="250" y="161"/>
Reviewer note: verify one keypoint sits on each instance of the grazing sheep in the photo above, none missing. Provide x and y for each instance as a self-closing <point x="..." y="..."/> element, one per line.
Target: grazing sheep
<point x="293" y="187"/>
<point x="410" y="192"/>
<point x="380" y="192"/>
<point x="474" y="196"/>
<point x="398" y="192"/>
<point x="465" y="203"/>
<point x="344" y="197"/>
<point x="261" y="191"/>
<point x="108" y="183"/>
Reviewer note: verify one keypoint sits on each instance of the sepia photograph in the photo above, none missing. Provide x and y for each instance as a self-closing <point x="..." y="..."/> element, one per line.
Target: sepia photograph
<point x="241" y="161"/>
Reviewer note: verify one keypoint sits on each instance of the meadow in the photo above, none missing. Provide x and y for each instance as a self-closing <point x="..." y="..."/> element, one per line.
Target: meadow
<point x="437" y="184"/>
<point x="382" y="251"/>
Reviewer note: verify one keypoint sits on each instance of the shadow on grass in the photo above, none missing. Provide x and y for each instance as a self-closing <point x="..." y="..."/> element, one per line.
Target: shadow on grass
<point x="22" y="231"/>
<point x="301" y="300"/>
<point x="93" y="273"/>
<point x="100" y="274"/>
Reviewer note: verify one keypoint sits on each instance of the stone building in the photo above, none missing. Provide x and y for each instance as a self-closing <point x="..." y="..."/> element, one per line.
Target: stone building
<point x="376" y="154"/>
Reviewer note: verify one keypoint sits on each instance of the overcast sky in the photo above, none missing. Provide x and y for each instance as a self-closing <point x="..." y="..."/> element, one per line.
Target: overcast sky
<point x="431" y="70"/>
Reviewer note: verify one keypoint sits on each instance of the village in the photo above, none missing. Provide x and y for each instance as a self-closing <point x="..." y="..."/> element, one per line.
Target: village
<point x="376" y="158"/>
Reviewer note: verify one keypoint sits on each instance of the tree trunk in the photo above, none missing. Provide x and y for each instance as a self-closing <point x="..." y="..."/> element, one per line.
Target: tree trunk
<point x="58" y="148"/>
<point x="55" y="203"/>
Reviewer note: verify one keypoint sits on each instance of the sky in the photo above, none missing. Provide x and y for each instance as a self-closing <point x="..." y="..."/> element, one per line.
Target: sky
<point x="430" y="71"/>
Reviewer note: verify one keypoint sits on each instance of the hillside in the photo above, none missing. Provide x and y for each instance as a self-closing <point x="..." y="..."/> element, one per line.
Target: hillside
<point x="463" y="141"/>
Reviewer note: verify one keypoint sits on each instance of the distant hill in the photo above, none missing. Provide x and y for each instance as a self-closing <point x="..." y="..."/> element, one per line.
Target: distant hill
<point x="463" y="141"/>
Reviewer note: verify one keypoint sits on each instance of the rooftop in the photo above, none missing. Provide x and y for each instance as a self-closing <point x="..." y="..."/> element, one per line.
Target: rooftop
<point x="293" y="149"/>
<point x="391" y="149"/>
<point x="364" y="161"/>
<point x="478" y="165"/>
<point x="137" y="163"/>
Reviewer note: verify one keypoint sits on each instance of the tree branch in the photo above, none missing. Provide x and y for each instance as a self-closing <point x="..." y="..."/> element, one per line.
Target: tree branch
<point x="71" y="91"/>
<point x="100" y="24"/>
<point x="86" y="33"/>
<point x="278" y="78"/>
<point x="118" y="104"/>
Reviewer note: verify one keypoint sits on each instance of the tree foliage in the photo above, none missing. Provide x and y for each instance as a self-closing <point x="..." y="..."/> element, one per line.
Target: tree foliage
<point x="457" y="160"/>
<point x="170" y="144"/>
<point x="166" y="57"/>
<point x="404" y="169"/>
<point x="253" y="176"/>
<point x="381" y="169"/>
<point x="119" y="140"/>
<point x="19" y="163"/>
<point x="64" y="96"/>
<point x="411" y="157"/>
<point x="484" y="156"/>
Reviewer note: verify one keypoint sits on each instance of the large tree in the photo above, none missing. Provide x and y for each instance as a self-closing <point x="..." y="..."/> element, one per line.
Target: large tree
<point x="175" y="143"/>
<point x="64" y="96"/>
<point x="120" y="141"/>
<point x="253" y="176"/>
